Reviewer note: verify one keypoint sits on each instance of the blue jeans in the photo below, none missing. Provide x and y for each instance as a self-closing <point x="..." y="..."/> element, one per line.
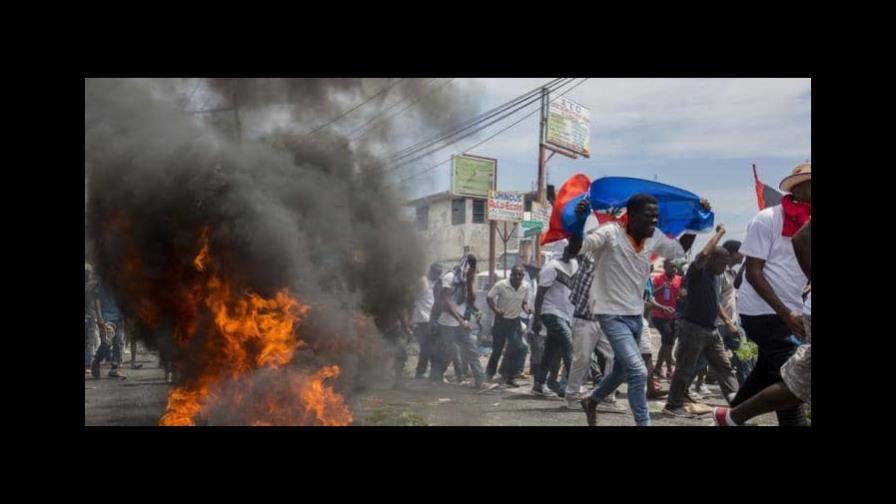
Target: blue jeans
<point x="507" y="331"/>
<point x="624" y="333"/>
<point x="446" y="345"/>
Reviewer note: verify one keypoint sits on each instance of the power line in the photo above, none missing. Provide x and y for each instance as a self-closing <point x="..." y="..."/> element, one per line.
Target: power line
<point x="454" y="131"/>
<point x="409" y="105"/>
<point x="533" y="100"/>
<point x="413" y="150"/>
<point x="356" y="107"/>
<point x="489" y="138"/>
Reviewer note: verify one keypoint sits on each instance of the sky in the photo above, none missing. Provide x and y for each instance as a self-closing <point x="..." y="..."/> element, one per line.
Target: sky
<point x="702" y="135"/>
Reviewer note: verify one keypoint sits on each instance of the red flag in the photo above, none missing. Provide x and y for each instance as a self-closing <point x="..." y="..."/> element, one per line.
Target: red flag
<point x="577" y="185"/>
<point x="760" y="188"/>
<point x="766" y="196"/>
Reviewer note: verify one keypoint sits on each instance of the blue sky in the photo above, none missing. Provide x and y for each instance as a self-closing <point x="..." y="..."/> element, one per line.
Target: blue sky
<point x="698" y="134"/>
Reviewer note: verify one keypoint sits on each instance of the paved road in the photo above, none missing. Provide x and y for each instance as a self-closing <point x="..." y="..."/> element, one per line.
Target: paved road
<point x="140" y="400"/>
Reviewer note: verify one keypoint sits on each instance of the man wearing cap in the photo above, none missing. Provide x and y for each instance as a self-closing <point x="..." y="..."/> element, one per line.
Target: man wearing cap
<point x="770" y="301"/>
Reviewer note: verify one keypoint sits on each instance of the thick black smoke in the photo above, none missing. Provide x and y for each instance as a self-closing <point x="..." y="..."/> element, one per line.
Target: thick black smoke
<point x="311" y="213"/>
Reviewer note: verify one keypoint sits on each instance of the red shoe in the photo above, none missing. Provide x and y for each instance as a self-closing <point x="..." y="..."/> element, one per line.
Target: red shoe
<point x="720" y="417"/>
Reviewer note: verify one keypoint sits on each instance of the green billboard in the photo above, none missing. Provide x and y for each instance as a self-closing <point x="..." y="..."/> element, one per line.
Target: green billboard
<point x="473" y="176"/>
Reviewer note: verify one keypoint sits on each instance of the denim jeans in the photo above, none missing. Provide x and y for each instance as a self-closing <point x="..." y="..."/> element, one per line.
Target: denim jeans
<point x="506" y="332"/>
<point x="450" y="341"/>
<point x="559" y="340"/>
<point x="624" y="333"/>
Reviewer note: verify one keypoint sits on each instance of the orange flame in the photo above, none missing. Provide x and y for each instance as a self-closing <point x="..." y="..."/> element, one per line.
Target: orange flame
<point x="248" y="333"/>
<point x="202" y="257"/>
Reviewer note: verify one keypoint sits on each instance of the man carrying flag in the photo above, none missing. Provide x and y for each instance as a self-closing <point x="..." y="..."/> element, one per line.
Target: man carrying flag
<point x="622" y="265"/>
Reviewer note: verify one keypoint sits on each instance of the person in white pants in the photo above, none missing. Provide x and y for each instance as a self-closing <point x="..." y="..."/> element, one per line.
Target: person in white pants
<point x="586" y="336"/>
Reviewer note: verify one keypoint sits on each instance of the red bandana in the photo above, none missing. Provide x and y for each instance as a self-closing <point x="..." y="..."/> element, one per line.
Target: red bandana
<point x="795" y="215"/>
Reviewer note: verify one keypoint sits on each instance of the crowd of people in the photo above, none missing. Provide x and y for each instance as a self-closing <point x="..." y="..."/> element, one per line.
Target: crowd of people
<point x="589" y="318"/>
<point x="583" y="320"/>
<point x="105" y="330"/>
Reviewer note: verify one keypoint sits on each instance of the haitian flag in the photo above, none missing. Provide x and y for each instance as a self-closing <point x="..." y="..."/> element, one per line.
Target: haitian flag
<point x="766" y="196"/>
<point x="563" y="222"/>
<point x="680" y="210"/>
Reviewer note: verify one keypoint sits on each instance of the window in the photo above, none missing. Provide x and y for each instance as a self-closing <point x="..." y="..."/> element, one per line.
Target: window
<point x="478" y="211"/>
<point x="422" y="217"/>
<point x="458" y="211"/>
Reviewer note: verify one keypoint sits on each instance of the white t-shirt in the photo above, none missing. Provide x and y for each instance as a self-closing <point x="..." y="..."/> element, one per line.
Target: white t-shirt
<point x="557" y="277"/>
<point x="423" y="302"/>
<point x="620" y="273"/>
<point x="507" y="299"/>
<point x="783" y="272"/>
<point x="445" y="318"/>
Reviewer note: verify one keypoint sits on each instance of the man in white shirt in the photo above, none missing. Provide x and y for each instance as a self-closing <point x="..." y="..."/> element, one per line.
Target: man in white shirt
<point x="453" y="327"/>
<point x="770" y="301"/>
<point x="554" y="309"/>
<point x="796" y="373"/>
<point x="422" y="317"/>
<point x="622" y="266"/>
<point x="507" y="299"/>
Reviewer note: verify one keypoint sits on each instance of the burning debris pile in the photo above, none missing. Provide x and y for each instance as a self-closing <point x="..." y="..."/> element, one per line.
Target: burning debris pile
<point x="258" y="267"/>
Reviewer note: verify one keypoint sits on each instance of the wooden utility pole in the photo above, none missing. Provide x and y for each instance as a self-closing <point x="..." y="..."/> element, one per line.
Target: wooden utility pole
<point x="540" y="195"/>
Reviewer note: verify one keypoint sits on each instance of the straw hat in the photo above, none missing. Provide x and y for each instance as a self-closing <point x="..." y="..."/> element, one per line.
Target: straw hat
<point x="800" y="174"/>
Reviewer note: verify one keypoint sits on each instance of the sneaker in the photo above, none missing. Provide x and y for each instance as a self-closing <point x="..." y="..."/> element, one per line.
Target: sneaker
<point x="720" y="417"/>
<point x="557" y="389"/>
<point x="704" y="390"/>
<point x="540" y="391"/>
<point x="113" y="373"/>
<point x="679" y="412"/>
<point x="484" y="387"/>
<point x="134" y="365"/>
<point x="590" y="406"/>
<point x="573" y="403"/>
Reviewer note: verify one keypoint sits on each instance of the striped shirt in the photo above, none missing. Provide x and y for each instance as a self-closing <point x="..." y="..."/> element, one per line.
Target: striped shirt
<point x="580" y="286"/>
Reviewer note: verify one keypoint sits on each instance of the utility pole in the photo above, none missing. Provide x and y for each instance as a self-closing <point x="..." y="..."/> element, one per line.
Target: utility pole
<point x="236" y="109"/>
<point x="542" y="200"/>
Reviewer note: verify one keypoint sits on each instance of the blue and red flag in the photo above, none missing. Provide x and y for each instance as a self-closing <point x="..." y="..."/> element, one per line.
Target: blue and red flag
<point x="563" y="221"/>
<point x="680" y="210"/>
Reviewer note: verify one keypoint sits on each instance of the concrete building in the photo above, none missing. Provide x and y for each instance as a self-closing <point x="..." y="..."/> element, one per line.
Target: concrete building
<point x="451" y="226"/>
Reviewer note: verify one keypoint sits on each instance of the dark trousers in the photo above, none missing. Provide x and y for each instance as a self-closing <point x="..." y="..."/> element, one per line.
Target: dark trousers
<point x="395" y="340"/>
<point x="697" y="342"/>
<point x="423" y="335"/>
<point x="111" y="346"/>
<point x="505" y="331"/>
<point x="558" y="344"/>
<point x="771" y="335"/>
